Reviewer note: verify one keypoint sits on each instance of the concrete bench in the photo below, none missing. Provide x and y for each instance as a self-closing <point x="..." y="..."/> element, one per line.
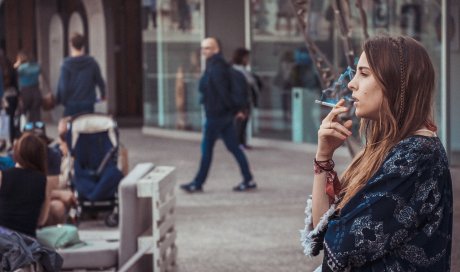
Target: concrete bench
<point x="146" y="237"/>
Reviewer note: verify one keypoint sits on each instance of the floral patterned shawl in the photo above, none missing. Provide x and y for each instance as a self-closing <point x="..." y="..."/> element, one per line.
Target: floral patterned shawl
<point x="401" y="220"/>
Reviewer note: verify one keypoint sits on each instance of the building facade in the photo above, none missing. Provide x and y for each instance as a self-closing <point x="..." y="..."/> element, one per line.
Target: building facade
<point x="42" y="28"/>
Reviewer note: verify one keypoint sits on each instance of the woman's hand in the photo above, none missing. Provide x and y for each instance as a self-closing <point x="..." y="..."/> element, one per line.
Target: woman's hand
<point x="332" y="133"/>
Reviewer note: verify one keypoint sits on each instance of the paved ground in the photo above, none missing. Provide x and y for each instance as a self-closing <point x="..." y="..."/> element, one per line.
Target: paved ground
<point x="220" y="230"/>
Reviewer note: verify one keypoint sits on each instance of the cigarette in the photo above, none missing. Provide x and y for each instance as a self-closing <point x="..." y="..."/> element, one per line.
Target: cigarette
<point x="325" y="104"/>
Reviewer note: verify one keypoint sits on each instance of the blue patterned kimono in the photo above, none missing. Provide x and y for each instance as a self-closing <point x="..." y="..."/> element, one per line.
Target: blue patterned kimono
<point x="401" y="220"/>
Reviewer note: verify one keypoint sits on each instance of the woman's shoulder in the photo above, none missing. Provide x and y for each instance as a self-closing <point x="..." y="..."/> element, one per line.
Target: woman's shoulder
<point x="419" y="145"/>
<point x="416" y="151"/>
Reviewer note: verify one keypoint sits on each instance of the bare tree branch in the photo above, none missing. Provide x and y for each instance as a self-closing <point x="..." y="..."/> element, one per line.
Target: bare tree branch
<point x="326" y="70"/>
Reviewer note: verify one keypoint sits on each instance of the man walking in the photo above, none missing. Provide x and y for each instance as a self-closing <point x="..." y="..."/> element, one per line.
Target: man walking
<point x="215" y="88"/>
<point x="80" y="74"/>
<point x="240" y="63"/>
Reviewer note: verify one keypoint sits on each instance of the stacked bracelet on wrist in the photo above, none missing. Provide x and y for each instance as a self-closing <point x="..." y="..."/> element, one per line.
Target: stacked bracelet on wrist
<point x="333" y="186"/>
<point x="323" y="166"/>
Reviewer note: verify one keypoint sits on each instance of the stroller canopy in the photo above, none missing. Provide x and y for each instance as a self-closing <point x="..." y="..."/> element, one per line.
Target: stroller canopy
<point x="93" y="123"/>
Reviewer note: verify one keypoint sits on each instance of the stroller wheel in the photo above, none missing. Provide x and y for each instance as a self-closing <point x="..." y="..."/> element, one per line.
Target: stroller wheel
<point x="111" y="220"/>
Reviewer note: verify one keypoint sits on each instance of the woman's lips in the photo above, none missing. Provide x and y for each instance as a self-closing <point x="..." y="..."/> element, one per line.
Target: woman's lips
<point x="355" y="101"/>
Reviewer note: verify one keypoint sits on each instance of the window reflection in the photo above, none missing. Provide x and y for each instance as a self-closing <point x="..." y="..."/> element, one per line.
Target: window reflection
<point x="172" y="34"/>
<point x="276" y="40"/>
<point x="173" y="30"/>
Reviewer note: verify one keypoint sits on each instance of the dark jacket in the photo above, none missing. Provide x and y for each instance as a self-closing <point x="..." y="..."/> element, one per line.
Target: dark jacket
<point x="215" y="88"/>
<point x="19" y="251"/>
<point x="78" y="80"/>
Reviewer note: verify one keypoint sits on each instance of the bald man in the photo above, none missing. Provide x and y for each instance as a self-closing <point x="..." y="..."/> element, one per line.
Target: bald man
<point x="215" y="97"/>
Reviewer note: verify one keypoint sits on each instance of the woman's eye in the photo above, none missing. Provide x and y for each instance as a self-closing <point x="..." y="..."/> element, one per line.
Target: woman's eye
<point x="363" y="74"/>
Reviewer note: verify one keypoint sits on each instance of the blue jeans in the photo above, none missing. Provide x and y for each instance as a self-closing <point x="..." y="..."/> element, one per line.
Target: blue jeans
<point x="74" y="108"/>
<point x="214" y="128"/>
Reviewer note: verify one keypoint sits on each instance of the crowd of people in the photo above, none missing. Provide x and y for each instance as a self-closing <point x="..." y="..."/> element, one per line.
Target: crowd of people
<point x="34" y="189"/>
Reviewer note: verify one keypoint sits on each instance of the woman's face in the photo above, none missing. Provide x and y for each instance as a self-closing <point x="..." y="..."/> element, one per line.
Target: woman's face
<point x="367" y="93"/>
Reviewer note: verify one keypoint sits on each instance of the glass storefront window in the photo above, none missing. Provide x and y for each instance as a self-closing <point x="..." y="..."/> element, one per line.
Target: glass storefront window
<point x="291" y="82"/>
<point x="173" y="29"/>
<point x="172" y="32"/>
<point x="279" y="56"/>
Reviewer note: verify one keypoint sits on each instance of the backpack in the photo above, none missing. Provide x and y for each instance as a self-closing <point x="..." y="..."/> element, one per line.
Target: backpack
<point x="238" y="89"/>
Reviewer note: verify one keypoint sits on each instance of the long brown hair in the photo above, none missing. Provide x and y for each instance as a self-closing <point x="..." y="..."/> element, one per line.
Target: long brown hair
<point x="404" y="70"/>
<point x="30" y="152"/>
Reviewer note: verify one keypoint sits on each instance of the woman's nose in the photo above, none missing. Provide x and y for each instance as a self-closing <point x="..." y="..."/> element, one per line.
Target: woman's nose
<point x="352" y="85"/>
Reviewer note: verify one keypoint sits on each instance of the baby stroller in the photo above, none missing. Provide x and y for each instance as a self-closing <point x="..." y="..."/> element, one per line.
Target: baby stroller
<point x="93" y="144"/>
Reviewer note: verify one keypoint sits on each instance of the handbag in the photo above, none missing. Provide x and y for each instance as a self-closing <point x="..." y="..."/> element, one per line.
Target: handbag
<point x="48" y="101"/>
<point x="59" y="236"/>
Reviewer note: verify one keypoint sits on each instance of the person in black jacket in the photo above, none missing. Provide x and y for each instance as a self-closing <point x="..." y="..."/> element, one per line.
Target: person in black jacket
<point x="240" y="62"/>
<point x="80" y="74"/>
<point x="220" y="112"/>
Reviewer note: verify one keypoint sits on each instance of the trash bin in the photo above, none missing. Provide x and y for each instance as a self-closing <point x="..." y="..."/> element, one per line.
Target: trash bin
<point x="305" y="115"/>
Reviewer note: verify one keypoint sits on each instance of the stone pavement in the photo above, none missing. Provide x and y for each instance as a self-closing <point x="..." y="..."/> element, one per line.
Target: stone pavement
<point x="221" y="230"/>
